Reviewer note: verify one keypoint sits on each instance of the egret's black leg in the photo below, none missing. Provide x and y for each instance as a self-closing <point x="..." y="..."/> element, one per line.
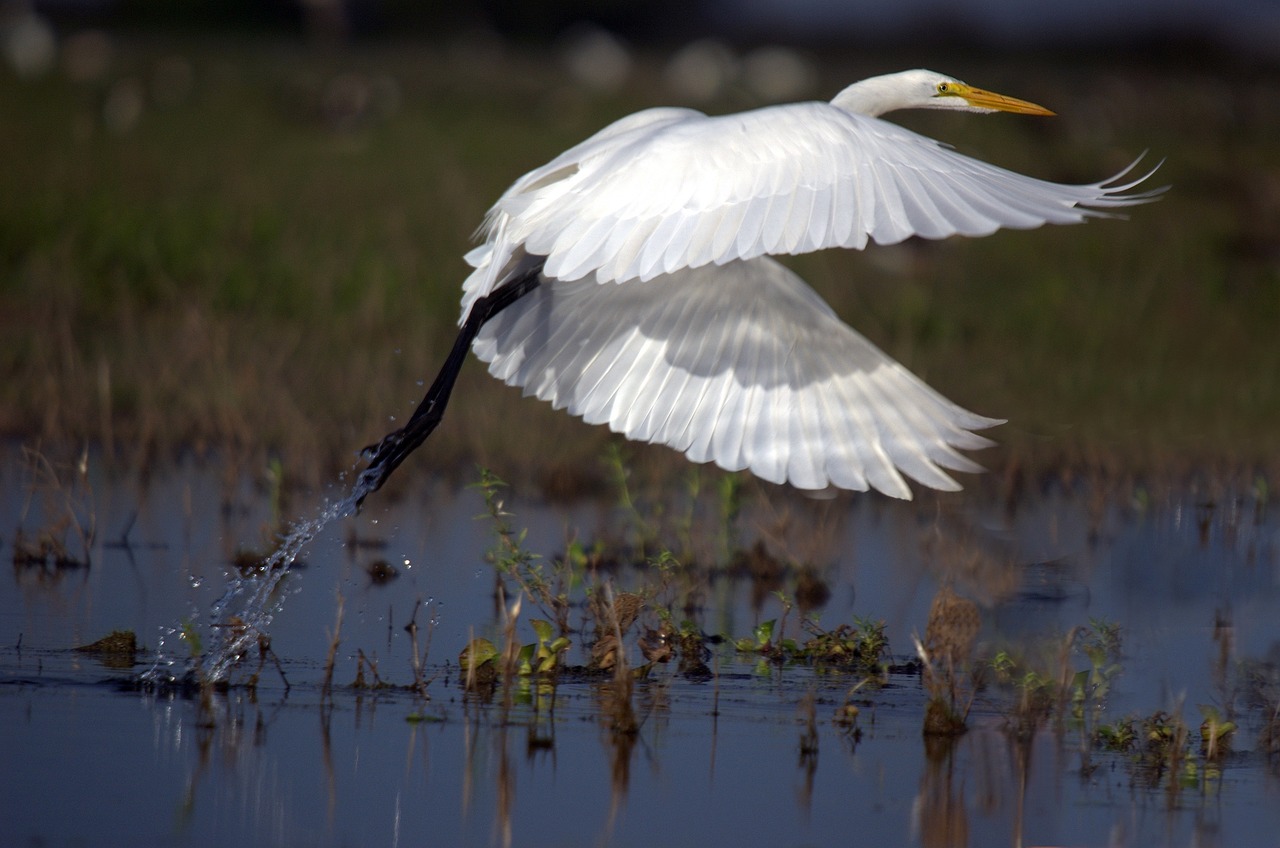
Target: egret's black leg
<point x="385" y="456"/>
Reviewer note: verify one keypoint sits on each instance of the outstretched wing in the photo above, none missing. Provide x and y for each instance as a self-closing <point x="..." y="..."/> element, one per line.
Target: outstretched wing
<point x="741" y="364"/>
<point x="682" y="190"/>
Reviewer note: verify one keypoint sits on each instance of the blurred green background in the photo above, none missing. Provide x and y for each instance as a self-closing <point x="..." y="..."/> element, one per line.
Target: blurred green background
<point x="248" y="239"/>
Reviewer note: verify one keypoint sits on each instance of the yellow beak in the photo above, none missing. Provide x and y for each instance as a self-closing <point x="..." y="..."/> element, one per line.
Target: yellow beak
<point x="990" y="100"/>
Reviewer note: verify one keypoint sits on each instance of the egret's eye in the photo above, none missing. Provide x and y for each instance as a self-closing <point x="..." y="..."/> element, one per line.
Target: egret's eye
<point x="944" y="87"/>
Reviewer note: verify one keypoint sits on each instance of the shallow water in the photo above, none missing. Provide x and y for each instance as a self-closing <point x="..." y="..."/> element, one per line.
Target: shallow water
<point x="89" y="756"/>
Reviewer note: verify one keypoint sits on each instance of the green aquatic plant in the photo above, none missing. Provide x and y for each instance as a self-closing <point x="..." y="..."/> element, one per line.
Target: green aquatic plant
<point x="482" y="663"/>
<point x="548" y="588"/>
<point x="1046" y="681"/>
<point x="1088" y="688"/>
<point x="1157" y="748"/>
<point x="1119" y="736"/>
<point x="1215" y="733"/>
<point x="509" y="555"/>
<point x="760" y="641"/>
<point x="1163" y="746"/>
<point x="477" y="653"/>
<point x="1034" y="691"/>
<point x="860" y="647"/>
<point x="543" y="656"/>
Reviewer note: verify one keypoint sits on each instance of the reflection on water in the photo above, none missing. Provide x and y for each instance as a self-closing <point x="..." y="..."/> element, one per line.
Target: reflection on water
<point x="1014" y="607"/>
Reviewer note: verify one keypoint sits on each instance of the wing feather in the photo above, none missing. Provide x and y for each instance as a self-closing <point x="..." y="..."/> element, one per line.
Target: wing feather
<point x="741" y="364"/>
<point x="695" y="190"/>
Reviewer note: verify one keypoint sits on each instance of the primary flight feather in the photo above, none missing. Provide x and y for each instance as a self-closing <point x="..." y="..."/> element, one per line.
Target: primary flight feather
<point x="629" y="281"/>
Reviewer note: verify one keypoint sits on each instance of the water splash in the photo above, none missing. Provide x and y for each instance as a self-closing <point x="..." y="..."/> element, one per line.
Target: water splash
<point x="251" y="601"/>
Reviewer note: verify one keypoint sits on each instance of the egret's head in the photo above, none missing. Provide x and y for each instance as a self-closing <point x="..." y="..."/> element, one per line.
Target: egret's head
<point x="922" y="89"/>
<point x="943" y="92"/>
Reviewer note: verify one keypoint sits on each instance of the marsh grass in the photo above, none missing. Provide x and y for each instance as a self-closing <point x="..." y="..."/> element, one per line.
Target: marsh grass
<point x="60" y="499"/>
<point x="254" y="268"/>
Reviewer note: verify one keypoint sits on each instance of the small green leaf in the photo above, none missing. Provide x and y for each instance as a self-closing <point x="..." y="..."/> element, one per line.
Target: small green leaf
<point x="524" y="659"/>
<point x="542" y="628"/>
<point x="477" y="653"/>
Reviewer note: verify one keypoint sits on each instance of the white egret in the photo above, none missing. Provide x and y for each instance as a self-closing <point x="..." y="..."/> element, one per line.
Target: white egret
<point x="629" y="280"/>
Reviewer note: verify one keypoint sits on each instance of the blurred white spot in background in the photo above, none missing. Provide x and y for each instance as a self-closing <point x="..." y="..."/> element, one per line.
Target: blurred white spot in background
<point x="27" y="41"/>
<point x="701" y="70"/>
<point x="596" y="57"/>
<point x="778" y="73"/>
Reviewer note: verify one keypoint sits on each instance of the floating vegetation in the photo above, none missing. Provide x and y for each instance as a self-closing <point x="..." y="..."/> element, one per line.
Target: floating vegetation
<point x="859" y="648"/>
<point x="118" y="649"/>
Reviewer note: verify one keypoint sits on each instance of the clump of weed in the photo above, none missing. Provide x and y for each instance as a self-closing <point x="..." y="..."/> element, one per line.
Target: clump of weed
<point x="1035" y="694"/>
<point x="1157" y="750"/>
<point x="484" y="665"/>
<point x="685" y="642"/>
<point x="946" y="655"/>
<point x="1088" y="688"/>
<point x="1216" y="732"/>
<point x="1048" y="684"/>
<point x="373" y="681"/>
<point x="1119" y="736"/>
<point x="613" y="614"/>
<point x="118" y="649"/>
<point x="859" y="647"/>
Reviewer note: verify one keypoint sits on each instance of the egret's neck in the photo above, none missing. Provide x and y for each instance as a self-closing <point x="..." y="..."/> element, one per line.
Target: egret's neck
<point x="873" y="96"/>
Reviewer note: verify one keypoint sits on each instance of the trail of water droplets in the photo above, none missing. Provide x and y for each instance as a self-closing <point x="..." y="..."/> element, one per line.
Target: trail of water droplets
<point x="250" y="603"/>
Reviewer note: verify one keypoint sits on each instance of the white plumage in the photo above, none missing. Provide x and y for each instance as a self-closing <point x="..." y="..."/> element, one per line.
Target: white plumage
<point x="661" y="314"/>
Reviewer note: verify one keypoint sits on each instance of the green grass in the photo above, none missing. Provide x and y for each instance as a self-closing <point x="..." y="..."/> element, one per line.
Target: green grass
<point x="243" y="270"/>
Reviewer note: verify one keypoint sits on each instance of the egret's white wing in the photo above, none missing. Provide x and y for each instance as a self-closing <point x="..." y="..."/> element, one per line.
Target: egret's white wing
<point x="536" y="192"/>
<point x="741" y="364"/>
<point x="680" y="189"/>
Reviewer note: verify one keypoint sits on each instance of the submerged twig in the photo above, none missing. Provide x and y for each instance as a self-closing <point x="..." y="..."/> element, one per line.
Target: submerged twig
<point x="417" y="658"/>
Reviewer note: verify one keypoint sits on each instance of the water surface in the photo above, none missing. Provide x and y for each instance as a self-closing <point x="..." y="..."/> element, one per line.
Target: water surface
<point x="751" y="755"/>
